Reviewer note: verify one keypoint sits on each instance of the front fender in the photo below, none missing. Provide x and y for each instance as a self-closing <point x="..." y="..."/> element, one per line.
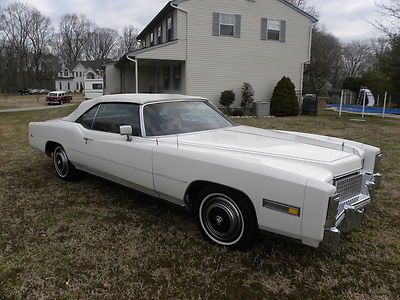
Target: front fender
<point x="316" y="201"/>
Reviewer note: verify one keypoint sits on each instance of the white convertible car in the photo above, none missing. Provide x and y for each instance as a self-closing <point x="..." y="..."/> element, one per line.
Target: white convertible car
<point x="236" y="180"/>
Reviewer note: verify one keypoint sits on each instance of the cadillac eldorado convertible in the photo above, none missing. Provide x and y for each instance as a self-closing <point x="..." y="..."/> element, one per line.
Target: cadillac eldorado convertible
<point x="236" y="180"/>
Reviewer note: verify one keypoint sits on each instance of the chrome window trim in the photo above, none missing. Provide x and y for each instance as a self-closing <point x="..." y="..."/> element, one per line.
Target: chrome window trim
<point x="97" y="110"/>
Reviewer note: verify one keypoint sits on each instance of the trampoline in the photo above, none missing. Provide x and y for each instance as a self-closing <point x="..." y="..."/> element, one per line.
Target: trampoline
<point x="368" y="109"/>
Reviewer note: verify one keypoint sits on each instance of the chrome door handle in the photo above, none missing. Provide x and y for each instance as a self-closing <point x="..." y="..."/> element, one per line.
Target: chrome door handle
<point x="87" y="140"/>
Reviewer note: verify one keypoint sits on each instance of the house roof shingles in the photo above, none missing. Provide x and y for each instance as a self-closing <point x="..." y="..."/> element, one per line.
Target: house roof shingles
<point x="93" y="64"/>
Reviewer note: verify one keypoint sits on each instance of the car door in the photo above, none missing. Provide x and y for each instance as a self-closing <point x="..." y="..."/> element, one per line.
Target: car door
<point x="106" y="153"/>
<point x="161" y="121"/>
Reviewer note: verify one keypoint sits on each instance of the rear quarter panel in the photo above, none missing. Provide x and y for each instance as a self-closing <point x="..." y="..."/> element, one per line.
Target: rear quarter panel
<point x="64" y="133"/>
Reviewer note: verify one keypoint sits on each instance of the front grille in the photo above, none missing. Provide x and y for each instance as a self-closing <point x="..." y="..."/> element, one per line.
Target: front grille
<point x="349" y="189"/>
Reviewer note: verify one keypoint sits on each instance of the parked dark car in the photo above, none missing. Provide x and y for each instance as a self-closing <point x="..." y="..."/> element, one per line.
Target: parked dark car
<point x="24" y="91"/>
<point x="58" y="97"/>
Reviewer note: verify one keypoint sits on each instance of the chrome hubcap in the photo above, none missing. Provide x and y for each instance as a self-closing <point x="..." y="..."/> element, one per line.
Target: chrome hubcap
<point x="222" y="219"/>
<point x="61" y="162"/>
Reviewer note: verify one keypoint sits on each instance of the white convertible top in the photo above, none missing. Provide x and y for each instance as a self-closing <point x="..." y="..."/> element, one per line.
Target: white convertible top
<point x="128" y="98"/>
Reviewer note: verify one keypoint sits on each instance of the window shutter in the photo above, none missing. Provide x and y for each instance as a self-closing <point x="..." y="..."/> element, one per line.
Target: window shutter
<point x="264" y="28"/>
<point x="215" y="24"/>
<point x="282" y="36"/>
<point x="238" y="25"/>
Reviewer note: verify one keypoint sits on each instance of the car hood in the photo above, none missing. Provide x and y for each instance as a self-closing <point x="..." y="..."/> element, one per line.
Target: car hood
<point x="332" y="153"/>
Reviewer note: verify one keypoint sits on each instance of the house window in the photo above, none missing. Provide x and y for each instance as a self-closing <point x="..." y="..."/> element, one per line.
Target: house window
<point x="69" y="86"/>
<point x="77" y="86"/>
<point x="60" y="86"/>
<point x="80" y="74"/>
<point x="159" y="35"/>
<point x="169" y="29"/>
<point x="66" y="73"/>
<point x="152" y="39"/>
<point x="166" y="78"/>
<point x="227" y="24"/>
<point x="177" y="77"/>
<point x="97" y="86"/>
<point x="274" y="30"/>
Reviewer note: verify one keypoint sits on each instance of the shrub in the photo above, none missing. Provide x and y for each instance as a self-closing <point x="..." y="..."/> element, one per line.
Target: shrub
<point x="238" y="113"/>
<point x="284" y="100"/>
<point x="227" y="98"/>
<point x="247" y="94"/>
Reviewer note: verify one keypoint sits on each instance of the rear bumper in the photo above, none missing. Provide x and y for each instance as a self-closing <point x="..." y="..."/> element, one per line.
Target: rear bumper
<point x="351" y="217"/>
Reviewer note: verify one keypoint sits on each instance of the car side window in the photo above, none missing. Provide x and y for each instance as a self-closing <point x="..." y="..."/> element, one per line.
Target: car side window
<point x="86" y="120"/>
<point x="161" y="119"/>
<point x="111" y="116"/>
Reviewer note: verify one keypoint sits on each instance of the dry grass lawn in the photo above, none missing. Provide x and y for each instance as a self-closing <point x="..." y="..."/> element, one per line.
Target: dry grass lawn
<point x="18" y="101"/>
<point x="95" y="239"/>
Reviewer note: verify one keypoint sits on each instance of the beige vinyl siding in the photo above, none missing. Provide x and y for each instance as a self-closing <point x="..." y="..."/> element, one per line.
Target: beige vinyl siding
<point x="170" y="51"/>
<point x="112" y="80"/>
<point x="216" y="63"/>
<point x="128" y="78"/>
<point x="174" y="50"/>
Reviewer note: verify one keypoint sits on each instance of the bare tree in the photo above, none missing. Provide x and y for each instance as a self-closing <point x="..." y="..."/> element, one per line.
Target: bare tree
<point x="128" y="41"/>
<point x="74" y="31"/>
<point x="101" y="43"/>
<point x="25" y="57"/>
<point x="40" y="34"/>
<point x="325" y="64"/>
<point x="302" y="4"/>
<point x="390" y="12"/>
<point x="379" y="48"/>
<point x="356" y="58"/>
<point x="15" y="22"/>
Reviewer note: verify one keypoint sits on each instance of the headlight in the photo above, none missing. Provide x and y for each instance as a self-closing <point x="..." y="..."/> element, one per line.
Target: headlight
<point x="378" y="160"/>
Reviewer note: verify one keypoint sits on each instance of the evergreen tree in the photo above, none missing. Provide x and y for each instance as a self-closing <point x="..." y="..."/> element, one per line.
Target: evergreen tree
<point x="284" y="100"/>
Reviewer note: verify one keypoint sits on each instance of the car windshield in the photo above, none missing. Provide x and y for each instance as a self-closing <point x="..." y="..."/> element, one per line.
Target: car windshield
<point x="182" y="117"/>
<point x="52" y="94"/>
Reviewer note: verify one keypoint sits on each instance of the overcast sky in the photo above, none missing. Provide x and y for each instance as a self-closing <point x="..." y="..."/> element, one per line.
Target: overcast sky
<point x="347" y="19"/>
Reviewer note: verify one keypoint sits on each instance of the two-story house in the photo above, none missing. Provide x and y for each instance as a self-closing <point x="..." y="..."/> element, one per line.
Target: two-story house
<point x="82" y="76"/>
<point x="204" y="47"/>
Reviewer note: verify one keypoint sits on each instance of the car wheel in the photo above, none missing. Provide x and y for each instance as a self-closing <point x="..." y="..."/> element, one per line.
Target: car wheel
<point x="226" y="218"/>
<point x="64" y="169"/>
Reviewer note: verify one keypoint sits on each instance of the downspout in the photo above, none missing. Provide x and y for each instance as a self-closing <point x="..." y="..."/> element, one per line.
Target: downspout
<point x="136" y="72"/>
<point x="187" y="42"/>
<point x="309" y="57"/>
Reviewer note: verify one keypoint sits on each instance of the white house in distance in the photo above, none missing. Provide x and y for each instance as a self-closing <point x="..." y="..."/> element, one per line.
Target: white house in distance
<point x="82" y="76"/>
<point x="205" y="47"/>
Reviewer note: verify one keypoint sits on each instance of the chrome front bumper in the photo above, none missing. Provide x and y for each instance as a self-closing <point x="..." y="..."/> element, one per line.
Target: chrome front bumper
<point x="352" y="215"/>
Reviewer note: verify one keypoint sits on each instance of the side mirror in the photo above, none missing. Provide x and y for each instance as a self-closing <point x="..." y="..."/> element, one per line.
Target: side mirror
<point x="126" y="130"/>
